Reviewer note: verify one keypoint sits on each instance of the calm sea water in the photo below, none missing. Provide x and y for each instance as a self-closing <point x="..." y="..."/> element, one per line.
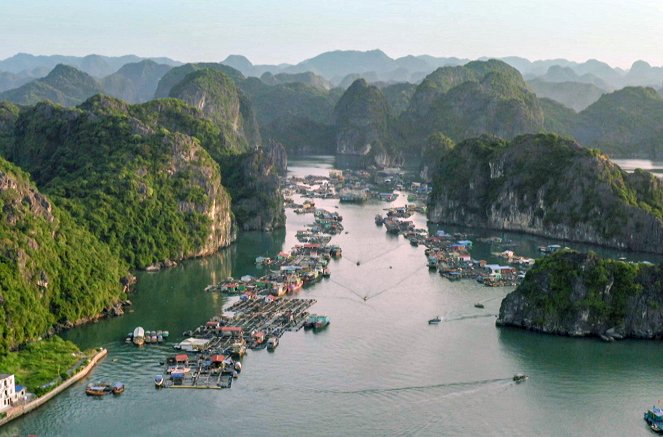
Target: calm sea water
<point x="379" y="369"/>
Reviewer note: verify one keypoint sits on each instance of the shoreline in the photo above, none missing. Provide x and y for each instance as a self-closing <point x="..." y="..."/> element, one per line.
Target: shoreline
<point x="21" y="410"/>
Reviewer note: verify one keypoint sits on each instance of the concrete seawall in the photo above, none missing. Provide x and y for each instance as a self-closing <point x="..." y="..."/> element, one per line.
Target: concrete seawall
<point x="20" y="410"/>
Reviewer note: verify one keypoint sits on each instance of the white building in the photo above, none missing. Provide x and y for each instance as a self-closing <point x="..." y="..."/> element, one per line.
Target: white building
<point x="10" y="393"/>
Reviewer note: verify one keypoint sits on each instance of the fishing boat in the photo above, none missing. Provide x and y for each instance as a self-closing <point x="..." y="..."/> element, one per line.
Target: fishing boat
<point x="118" y="388"/>
<point x="519" y="377"/>
<point x="158" y="380"/>
<point x="100" y="389"/>
<point x="239" y="348"/>
<point x="432" y="263"/>
<point x="139" y="336"/>
<point x="479" y="305"/>
<point x="272" y="343"/>
<point x="435" y="320"/>
<point x="654" y="418"/>
<point x="379" y="220"/>
<point x="321" y="322"/>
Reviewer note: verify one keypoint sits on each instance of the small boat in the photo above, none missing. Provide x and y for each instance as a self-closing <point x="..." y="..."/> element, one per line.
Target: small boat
<point x="519" y="377"/>
<point x="158" y="381"/>
<point x="654" y="418"/>
<point x="138" y="336"/>
<point x="435" y="321"/>
<point x="154" y="338"/>
<point x="479" y="305"/>
<point x="238" y="367"/>
<point x="414" y="242"/>
<point x="310" y="321"/>
<point x="101" y="389"/>
<point x="379" y="220"/>
<point x="321" y="322"/>
<point x="118" y="388"/>
<point x="160" y="338"/>
<point x="272" y="343"/>
<point x="165" y="334"/>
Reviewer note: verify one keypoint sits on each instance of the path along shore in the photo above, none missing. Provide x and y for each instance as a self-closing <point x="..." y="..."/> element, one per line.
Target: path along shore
<point x="20" y="410"/>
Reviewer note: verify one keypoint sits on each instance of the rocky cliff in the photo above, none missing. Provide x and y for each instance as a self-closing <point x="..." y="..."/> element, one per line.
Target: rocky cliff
<point x="52" y="270"/>
<point x="362" y="119"/>
<point x="136" y="176"/>
<point x="576" y="294"/>
<point x="546" y="185"/>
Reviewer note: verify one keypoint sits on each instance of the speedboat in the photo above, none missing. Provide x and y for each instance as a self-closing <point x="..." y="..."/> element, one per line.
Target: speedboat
<point x="654" y="418"/>
<point x="519" y="377"/>
<point x="435" y="321"/>
<point x="158" y="380"/>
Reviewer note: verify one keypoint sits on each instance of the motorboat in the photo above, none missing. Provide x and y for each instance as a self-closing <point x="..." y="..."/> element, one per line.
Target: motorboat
<point x="158" y="380"/>
<point x="272" y="343"/>
<point x="100" y="389"/>
<point x="519" y="377"/>
<point x="479" y="305"/>
<point x="435" y="320"/>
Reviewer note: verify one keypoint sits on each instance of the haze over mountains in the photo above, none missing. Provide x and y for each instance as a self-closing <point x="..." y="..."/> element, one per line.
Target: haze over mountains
<point x="319" y="106"/>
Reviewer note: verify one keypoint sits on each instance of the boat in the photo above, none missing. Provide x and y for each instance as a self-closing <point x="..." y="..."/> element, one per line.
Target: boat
<point x="238" y="367"/>
<point x="479" y="305"/>
<point x="654" y="418"/>
<point x="118" y="388"/>
<point x="165" y="334"/>
<point x="414" y="242"/>
<point x="321" y="321"/>
<point x="519" y="377"/>
<point x="178" y="370"/>
<point x="158" y="380"/>
<point x="272" y="343"/>
<point x="435" y="320"/>
<point x="310" y="321"/>
<point x="100" y="389"/>
<point x="379" y="220"/>
<point x="138" y="336"/>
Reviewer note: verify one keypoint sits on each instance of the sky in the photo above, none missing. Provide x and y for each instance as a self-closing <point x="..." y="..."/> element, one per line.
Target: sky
<point x="289" y="31"/>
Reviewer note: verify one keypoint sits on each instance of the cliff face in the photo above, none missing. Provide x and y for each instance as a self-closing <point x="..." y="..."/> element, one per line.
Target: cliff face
<point x="136" y="176"/>
<point x="362" y="122"/>
<point x="52" y="270"/>
<point x="544" y="185"/>
<point x="575" y="294"/>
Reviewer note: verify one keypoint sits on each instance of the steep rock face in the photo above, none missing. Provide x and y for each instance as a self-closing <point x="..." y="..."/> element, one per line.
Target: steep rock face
<point x="136" y="176"/>
<point x="64" y="85"/>
<point x="545" y="185"/>
<point x="576" y="294"/>
<point x="52" y="271"/>
<point x="362" y="123"/>
<point x="216" y="96"/>
<point x="479" y="98"/>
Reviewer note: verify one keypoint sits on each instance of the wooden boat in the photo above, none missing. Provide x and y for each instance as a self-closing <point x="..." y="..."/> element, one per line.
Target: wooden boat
<point x="118" y="388"/>
<point x="139" y="336"/>
<point x="435" y="320"/>
<point x="479" y="305"/>
<point x="272" y="343"/>
<point x="158" y="380"/>
<point x="100" y="389"/>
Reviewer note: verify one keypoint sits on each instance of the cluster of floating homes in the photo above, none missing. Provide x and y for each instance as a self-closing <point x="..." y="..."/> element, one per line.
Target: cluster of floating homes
<point x="263" y="312"/>
<point x="356" y="186"/>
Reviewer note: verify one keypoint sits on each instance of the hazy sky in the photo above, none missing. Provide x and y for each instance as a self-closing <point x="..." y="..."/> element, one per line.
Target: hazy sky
<point x="275" y="31"/>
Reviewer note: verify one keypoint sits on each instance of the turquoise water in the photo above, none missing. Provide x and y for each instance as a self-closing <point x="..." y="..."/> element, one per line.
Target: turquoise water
<point x="379" y="369"/>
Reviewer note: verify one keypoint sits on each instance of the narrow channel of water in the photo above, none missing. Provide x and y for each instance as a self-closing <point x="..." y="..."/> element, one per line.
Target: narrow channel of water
<point x="379" y="369"/>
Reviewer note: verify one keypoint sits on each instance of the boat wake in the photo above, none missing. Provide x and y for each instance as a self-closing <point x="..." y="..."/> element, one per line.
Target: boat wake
<point x="419" y="388"/>
<point x="475" y="316"/>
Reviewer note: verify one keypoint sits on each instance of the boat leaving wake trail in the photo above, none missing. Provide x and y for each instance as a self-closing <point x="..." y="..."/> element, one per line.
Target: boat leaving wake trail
<point x="475" y="316"/>
<point x="416" y="387"/>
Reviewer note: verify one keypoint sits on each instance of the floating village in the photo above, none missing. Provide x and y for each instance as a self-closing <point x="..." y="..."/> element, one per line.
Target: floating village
<point x="265" y="307"/>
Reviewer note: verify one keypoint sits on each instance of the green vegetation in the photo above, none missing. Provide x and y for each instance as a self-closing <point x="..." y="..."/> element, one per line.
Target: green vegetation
<point x="42" y="365"/>
<point x="567" y="283"/>
<point x="549" y="185"/>
<point x="52" y="270"/>
<point x="64" y="85"/>
<point x="126" y="173"/>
